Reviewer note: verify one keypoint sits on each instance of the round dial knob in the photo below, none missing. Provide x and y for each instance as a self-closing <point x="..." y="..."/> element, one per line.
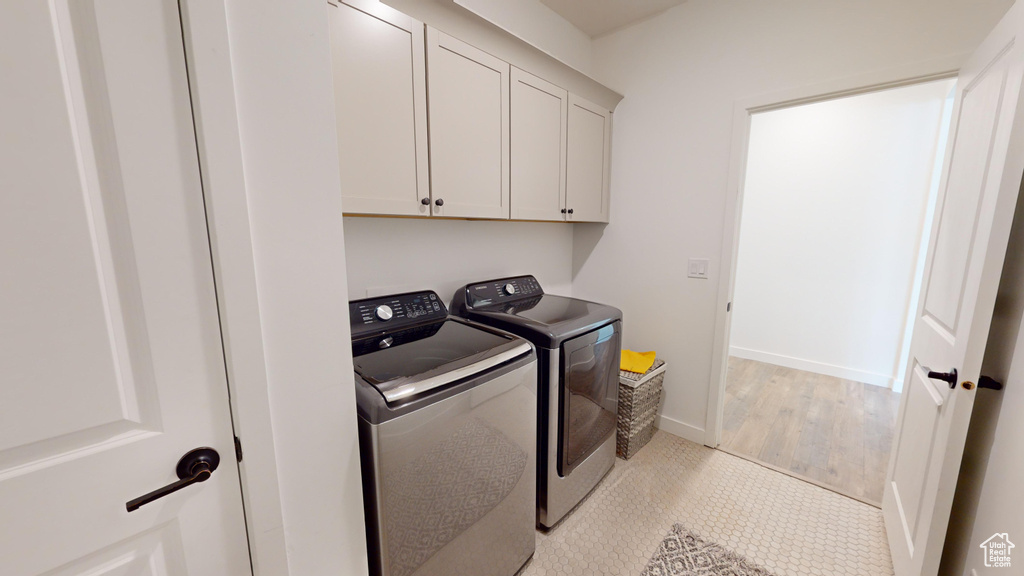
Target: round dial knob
<point x="510" y="289"/>
<point x="384" y="312"/>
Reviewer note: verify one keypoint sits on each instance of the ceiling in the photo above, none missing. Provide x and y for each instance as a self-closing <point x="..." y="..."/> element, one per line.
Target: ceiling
<point x="597" y="17"/>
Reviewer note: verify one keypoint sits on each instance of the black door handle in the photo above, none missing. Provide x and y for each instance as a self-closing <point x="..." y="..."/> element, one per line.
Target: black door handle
<point x="947" y="377"/>
<point x="425" y="201"/>
<point x="439" y="202"/>
<point x="989" y="383"/>
<point x="195" y="466"/>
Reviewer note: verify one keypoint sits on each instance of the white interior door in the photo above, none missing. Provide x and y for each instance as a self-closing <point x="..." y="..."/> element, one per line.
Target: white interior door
<point x="111" y="366"/>
<point x="978" y="193"/>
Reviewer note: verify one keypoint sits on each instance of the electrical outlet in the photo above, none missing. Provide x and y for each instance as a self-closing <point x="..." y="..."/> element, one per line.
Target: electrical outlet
<point x="698" y="268"/>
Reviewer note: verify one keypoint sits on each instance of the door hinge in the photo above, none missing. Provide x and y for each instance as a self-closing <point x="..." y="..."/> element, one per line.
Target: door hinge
<point x="238" y="449"/>
<point x="728" y="307"/>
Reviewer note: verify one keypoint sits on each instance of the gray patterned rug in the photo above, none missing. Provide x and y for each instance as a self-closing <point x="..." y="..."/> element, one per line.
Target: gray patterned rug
<point x="683" y="553"/>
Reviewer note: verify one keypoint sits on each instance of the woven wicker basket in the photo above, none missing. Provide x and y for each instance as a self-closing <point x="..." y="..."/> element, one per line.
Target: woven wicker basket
<point x="639" y="397"/>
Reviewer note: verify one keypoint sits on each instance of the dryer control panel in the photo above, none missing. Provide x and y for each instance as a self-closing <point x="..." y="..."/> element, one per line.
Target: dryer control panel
<point x="390" y="313"/>
<point x="503" y="290"/>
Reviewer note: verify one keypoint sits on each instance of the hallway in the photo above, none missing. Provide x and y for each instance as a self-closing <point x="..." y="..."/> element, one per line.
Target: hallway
<point x="834" y="432"/>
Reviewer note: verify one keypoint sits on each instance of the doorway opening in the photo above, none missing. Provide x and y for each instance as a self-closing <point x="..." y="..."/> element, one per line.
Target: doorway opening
<point x="834" y="214"/>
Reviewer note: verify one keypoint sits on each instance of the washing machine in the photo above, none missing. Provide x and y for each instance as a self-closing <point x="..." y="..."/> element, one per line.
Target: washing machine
<point x="447" y="436"/>
<point x="578" y="349"/>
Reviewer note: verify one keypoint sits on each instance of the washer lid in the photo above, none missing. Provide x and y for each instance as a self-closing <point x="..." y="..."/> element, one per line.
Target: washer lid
<point x="546" y="320"/>
<point x="551" y="309"/>
<point x="409" y="362"/>
<point x="519" y="305"/>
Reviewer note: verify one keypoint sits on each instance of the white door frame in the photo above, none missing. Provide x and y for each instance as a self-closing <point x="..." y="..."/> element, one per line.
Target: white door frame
<point x="205" y="29"/>
<point x="917" y="73"/>
<point x="268" y="446"/>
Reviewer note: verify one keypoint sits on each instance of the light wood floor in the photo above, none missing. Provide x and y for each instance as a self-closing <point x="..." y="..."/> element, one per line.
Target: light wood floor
<point x="833" y="431"/>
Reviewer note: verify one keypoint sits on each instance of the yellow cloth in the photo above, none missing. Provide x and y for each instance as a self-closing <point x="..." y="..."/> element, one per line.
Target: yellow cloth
<point x="636" y="361"/>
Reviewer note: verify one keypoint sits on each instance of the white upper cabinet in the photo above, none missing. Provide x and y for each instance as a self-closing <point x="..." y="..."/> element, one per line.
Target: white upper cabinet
<point x="503" y="143"/>
<point x="469" y="129"/>
<point x="381" y="107"/>
<point x="538" y="122"/>
<point x="587" y="161"/>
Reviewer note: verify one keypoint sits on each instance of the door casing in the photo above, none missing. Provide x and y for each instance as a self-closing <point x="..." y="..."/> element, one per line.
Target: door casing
<point x="928" y="71"/>
<point x="287" y="528"/>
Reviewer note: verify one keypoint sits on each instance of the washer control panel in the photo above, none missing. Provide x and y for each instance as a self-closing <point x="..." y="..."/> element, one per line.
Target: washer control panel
<point x="503" y="290"/>
<point x="390" y="313"/>
<point x="384" y="313"/>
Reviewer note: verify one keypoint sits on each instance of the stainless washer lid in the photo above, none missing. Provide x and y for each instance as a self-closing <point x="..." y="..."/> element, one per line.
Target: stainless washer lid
<point x="410" y="362"/>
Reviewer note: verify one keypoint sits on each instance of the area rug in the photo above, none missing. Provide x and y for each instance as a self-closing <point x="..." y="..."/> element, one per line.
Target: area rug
<point x="683" y="553"/>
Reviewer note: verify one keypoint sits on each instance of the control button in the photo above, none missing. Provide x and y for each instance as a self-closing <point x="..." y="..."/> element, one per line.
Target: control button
<point x="433" y="297"/>
<point x="510" y="289"/>
<point x="384" y="312"/>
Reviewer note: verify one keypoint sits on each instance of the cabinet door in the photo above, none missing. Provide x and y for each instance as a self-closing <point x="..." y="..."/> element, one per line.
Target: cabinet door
<point x="469" y="104"/>
<point x="381" y="107"/>
<point x="538" y="123"/>
<point x="588" y="161"/>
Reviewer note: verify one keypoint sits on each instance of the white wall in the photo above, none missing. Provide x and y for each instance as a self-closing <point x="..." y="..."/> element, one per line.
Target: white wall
<point x="681" y="73"/>
<point x="280" y="254"/>
<point x="391" y="255"/>
<point x="538" y="25"/>
<point x="834" y="203"/>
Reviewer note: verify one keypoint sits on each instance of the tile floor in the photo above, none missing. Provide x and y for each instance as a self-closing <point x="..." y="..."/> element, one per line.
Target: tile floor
<point x="791" y="527"/>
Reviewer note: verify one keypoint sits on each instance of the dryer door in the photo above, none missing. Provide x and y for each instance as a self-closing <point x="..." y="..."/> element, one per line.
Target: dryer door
<point x="589" y="386"/>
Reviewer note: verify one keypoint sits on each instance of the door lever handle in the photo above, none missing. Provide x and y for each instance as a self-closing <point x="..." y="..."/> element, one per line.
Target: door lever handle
<point x="947" y="377"/>
<point x="195" y="466"/>
<point x="986" y="382"/>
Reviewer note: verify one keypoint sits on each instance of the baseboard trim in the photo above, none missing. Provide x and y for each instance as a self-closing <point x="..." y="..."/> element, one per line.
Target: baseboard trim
<point x="864" y="376"/>
<point x="680" y="429"/>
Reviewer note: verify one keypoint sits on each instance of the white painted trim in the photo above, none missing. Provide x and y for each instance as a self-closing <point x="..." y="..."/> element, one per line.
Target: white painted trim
<point x="205" y="30"/>
<point x="680" y="429"/>
<point x="279" y="263"/>
<point x="935" y="69"/>
<point x="883" y="380"/>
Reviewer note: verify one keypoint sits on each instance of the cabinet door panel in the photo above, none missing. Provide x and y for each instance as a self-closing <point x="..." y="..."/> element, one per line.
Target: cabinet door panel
<point x="469" y="127"/>
<point x="588" y="160"/>
<point x="381" y="108"/>
<point x="538" y="123"/>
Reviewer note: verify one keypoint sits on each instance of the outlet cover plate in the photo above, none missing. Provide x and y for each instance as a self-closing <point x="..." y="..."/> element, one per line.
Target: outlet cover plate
<point x="698" y="268"/>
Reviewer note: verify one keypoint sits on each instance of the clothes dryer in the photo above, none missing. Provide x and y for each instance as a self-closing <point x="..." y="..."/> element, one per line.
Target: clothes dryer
<point x="578" y="348"/>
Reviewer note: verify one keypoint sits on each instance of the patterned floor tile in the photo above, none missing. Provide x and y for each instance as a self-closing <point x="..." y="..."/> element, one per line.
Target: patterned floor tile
<point x="788" y="526"/>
